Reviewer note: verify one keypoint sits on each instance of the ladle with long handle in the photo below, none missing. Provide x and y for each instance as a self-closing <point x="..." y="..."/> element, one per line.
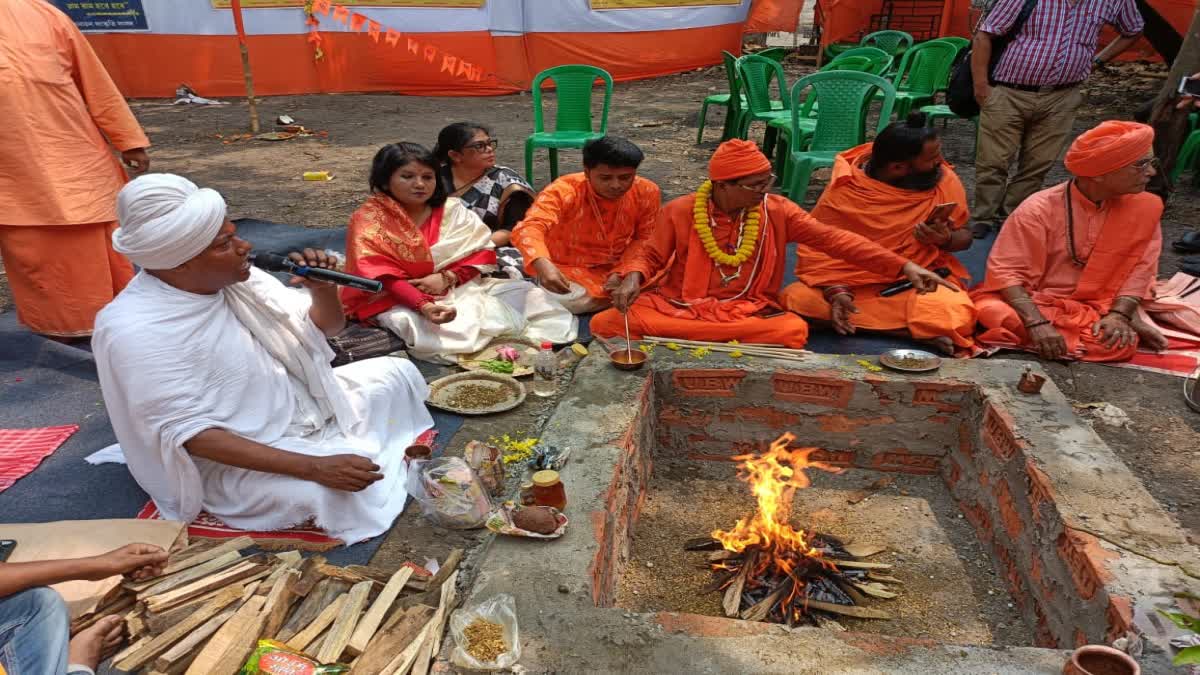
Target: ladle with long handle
<point x="628" y="341"/>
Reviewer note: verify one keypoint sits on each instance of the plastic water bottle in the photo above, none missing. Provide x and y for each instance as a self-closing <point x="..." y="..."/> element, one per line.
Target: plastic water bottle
<point x="545" y="371"/>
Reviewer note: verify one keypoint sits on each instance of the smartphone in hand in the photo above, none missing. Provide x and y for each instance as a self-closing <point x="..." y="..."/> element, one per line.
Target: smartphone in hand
<point x="942" y="212"/>
<point x="6" y="548"/>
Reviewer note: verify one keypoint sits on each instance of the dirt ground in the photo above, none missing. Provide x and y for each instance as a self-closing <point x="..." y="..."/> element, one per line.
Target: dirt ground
<point x="263" y="180"/>
<point x="950" y="591"/>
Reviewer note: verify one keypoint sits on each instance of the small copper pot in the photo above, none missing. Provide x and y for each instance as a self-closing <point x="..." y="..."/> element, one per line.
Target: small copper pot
<point x="1099" y="660"/>
<point x="628" y="360"/>
<point x="1030" y="383"/>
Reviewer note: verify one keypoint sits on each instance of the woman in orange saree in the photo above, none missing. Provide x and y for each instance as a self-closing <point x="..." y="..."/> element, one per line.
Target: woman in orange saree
<point x="432" y="254"/>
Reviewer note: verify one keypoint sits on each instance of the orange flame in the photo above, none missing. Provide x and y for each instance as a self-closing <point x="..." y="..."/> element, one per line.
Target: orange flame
<point x="774" y="478"/>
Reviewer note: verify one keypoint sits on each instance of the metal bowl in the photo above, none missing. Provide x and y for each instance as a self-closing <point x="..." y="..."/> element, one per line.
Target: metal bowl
<point x="910" y="360"/>
<point x="628" y="360"/>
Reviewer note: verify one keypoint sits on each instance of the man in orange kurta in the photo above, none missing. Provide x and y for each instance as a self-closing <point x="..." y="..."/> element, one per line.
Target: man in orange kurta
<point x="706" y="296"/>
<point x="899" y="193"/>
<point x="1072" y="263"/>
<point x="584" y="226"/>
<point x="59" y="114"/>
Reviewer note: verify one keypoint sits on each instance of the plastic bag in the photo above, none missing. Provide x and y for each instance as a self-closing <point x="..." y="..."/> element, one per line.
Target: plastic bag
<point x="485" y="459"/>
<point x="450" y="493"/>
<point x="501" y="610"/>
<point x="273" y="658"/>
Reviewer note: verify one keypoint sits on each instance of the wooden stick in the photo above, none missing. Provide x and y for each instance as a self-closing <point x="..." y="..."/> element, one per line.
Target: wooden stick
<point x="164" y="642"/>
<point x="846" y="610"/>
<point x="191" y="574"/>
<point x="733" y="595"/>
<point x="310" y="574"/>
<point x="287" y="561"/>
<point x="279" y="601"/>
<point x="246" y="73"/>
<point x="235" y="655"/>
<point x="406" y="658"/>
<point x="133" y="647"/>
<point x="762" y="608"/>
<point x="314" y="603"/>
<point x="302" y="640"/>
<point x="228" y="637"/>
<point x="447" y="568"/>
<point x="859" y="564"/>
<point x="756" y="347"/>
<point x="382" y="650"/>
<point x="343" y="626"/>
<point x="214" y="552"/>
<point x="433" y="643"/>
<point x="244" y="572"/>
<point x="370" y="622"/>
<point x="192" y="641"/>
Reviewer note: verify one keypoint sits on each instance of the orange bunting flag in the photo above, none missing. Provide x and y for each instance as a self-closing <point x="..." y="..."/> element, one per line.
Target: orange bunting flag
<point x="414" y="46"/>
<point x="341" y="14"/>
<point x="392" y="37"/>
<point x="430" y="53"/>
<point x="357" y="21"/>
<point x="448" y="62"/>
<point x="464" y="68"/>
<point x="321" y="6"/>
<point x="373" y="29"/>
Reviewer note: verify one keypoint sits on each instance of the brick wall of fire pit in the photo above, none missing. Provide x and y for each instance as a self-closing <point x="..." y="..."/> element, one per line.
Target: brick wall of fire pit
<point x="950" y="426"/>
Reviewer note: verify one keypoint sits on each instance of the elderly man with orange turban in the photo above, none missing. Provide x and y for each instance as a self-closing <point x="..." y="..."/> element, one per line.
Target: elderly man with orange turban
<point x="728" y="241"/>
<point x="1073" y="262"/>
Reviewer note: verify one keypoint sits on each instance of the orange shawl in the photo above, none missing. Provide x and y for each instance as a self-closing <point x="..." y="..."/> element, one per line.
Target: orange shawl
<point x="882" y="213"/>
<point x="383" y="243"/>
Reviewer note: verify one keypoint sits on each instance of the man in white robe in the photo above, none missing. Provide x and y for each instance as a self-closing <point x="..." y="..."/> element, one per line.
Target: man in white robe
<point x="217" y="380"/>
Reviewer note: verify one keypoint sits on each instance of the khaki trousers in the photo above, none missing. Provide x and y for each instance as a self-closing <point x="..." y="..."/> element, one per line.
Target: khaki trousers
<point x="1031" y="127"/>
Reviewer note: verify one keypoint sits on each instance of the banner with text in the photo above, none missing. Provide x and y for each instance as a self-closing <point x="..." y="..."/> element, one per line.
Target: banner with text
<point x="110" y="15"/>
<point x="259" y="4"/>
<point x="645" y="4"/>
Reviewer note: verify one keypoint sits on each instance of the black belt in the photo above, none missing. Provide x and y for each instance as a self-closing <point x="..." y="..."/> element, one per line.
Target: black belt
<point x="1043" y="89"/>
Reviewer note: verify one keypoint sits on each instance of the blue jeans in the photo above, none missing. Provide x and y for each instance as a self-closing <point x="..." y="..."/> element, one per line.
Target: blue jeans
<point x="34" y="632"/>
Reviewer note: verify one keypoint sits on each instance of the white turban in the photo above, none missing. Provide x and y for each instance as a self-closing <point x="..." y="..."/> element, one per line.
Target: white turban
<point x="166" y="220"/>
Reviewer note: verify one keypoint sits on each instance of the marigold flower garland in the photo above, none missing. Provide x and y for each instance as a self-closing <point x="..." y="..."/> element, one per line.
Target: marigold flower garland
<point x="750" y="232"/>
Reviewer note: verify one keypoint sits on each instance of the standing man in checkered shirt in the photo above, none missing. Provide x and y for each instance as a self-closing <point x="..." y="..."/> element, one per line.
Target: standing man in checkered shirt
<point x="1029" y="103"/>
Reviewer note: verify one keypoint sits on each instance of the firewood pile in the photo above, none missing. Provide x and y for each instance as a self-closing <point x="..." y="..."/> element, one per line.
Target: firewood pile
<point x="211" y="606"/>
<point x="793" y="587"/>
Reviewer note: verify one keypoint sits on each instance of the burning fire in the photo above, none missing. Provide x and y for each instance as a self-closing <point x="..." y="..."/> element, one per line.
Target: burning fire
<point x="774" y="477"/>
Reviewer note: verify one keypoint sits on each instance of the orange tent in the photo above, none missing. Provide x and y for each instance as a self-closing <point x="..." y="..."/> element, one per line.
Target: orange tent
<point x="421" y="47"/>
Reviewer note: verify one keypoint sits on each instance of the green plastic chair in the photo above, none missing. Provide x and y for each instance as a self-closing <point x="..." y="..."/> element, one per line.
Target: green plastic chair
<point x="933" y="113"/>
<point x="959" y="44"/>
<point x="573" y="115"/>
<point x="733" y="107"/>
<point x="774" y="53"/>
<point x="862" y="64"/>
<point x="1188" y="155"/>
<point x="893" y="42"/>
<point x="881" y="60"/>
<point x="756" y="74"/>
<point x="922" y="71"/>
<point x="845" y="99"/>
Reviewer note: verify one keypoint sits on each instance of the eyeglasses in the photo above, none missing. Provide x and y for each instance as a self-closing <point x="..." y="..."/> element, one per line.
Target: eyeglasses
<point x="1147" y="163"/>
<point x="763" y="186"/>
<point x="480" y="146"/>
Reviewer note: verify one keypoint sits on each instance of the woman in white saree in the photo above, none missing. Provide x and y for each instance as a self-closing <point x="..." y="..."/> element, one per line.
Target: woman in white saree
<point x="432" y="254"/>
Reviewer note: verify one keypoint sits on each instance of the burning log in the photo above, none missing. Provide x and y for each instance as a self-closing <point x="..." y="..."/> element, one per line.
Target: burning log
<point x="770" y="571"/>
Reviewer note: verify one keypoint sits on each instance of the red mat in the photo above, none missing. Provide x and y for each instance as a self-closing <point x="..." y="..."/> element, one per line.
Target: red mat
<point x="21" y="450"/>
<point x="304" y="537"/>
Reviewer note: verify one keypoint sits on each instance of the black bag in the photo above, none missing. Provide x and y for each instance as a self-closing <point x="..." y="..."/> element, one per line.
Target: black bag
<point x="960" y="94"/>
<point x="360" y="341"/>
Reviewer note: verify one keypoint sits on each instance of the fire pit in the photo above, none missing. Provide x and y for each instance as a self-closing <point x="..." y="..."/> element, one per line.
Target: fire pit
<point x="969" y="513"/>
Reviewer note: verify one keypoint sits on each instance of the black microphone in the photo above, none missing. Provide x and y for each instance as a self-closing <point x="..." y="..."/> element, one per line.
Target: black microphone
<point x="273" y="262"/>
<point x="901" y="286"/>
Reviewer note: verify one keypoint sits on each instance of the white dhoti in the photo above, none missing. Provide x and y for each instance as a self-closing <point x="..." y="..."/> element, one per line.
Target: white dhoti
<point x="487" y="308"/>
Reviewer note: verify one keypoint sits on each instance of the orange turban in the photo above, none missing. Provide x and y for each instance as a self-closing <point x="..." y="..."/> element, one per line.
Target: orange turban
<point x="1112" y="145"/>
<point x="736" y="158"/>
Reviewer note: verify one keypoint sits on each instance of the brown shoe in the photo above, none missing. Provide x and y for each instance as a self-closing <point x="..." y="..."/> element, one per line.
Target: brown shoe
<point x="981" y="229"/>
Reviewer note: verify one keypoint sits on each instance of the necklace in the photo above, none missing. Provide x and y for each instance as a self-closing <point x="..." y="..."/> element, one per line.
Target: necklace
<point x="1071" y="228"/>
<point x="748" y="231"/>
<point x="604" y="228"/>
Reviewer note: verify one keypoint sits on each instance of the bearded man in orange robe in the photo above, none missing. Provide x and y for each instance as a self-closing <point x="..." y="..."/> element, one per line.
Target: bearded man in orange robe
<point x="900" y="193"/>
<point x="62" y="116"/>
<point x="584" y="226"/>
<point x="1072" y="263"/>
<point x="728" y="241"/>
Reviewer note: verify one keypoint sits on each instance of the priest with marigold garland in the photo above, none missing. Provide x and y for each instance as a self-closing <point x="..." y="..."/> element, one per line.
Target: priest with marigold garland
<point x="729" y="241"/>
